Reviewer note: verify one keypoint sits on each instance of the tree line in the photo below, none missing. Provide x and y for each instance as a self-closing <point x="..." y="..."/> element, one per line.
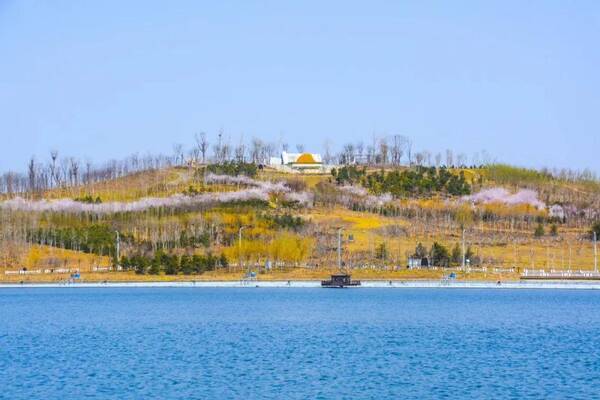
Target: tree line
<point x="58" y="171"/>
<point x="412" y="181"/>
<point x="172" y="264"/>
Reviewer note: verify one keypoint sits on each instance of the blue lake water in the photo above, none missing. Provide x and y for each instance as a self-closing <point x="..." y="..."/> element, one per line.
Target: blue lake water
<point x="205" y="343"/>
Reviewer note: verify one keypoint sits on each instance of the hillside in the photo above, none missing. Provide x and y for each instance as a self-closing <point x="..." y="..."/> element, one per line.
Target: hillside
<point x="213" y="222"/>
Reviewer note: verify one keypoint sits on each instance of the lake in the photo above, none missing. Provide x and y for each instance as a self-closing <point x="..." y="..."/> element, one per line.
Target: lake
<point x="296" y="343"/>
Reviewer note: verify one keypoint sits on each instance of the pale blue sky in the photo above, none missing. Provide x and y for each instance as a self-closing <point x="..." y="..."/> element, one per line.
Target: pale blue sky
<point x="104" y="79"/>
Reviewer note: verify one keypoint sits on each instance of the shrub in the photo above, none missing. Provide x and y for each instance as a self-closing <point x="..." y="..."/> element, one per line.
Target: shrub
<point x="233" y="168"/>
<point x="381" y="252"/>
<point x="539" y="231"/>
<point x="456" y="255"/>
<point x="596" y="229"/>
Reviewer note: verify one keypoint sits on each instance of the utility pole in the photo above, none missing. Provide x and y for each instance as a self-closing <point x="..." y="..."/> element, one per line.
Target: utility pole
<point x="595" y="252"/>
<point x="240" y="245"/>
<point x="570" y="256"/>
<point x="118" y="247"/>
<point x="463" y="248"/>
<point x="339" y="249"/>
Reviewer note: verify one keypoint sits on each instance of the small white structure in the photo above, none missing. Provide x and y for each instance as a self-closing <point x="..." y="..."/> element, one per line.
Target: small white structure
<point x="300" y="162"/>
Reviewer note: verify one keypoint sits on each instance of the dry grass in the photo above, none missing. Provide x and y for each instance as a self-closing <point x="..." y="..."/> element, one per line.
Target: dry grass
<point x="493" y="244"/>
<point x="158" y="183"/>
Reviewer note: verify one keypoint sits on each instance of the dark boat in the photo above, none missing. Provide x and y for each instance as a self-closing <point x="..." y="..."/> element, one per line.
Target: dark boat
<point x="339" y="281"/>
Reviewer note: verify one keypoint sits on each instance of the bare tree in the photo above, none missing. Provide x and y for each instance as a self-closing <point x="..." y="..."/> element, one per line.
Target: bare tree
<point x="88" y="171"/>
<point x="426" y="157"/>
<point x="218" y="147"/>
<point x="419" y="157"/>
<point x="438" y="159"/>
<point x="240" y="151"/>
<point x="397" y="150"/>
<point x="300" y="148"/>
<point x="257" y="151"/>
<point x="73" y="171"/>
<point x="201" y="144"/>
<point x="178" y="153"/>
<point x="371" y="155"/>
<point x="449" y="158"/>
<point x="347" y="154"/>
<point x="360" y="150"/>
<point x="226" y="150"/>
<point x="52" y="166"/>
<point x="409" y="145"/>
<point x="31" y="173"/>
<point x="383" y="151"/>
<point x="327" y="157"/>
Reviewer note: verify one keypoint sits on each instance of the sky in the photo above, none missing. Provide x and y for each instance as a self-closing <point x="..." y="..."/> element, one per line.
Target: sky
<point x="101" y="80"/>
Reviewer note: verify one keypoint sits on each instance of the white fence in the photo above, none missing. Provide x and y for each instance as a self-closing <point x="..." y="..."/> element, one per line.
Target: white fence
<point x="561" y="273"/>
<point x="42" y="271"/>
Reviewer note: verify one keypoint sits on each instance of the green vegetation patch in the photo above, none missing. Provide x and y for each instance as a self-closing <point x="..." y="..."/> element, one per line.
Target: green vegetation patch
<point x="401" y="183"/>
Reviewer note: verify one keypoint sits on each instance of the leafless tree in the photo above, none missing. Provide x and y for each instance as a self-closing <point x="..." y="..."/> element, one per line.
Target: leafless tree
<point x="201" y="144"/>
<point x="371" y="155"/>
<point x="449" y="158"/>
<point x="217" y="148"/>
<point x="397" y="150"/>
<point x="300" y="148"/>
<point x="426" y="157"/>
<point x="73" y="171"/>
<point x="53" y="169"/>
<point x="419" y="158"/>
<point x="31" y="173"/>
<point x="240" y="151"/>
<point x="257" y="150"/>
<point x="178" y="153"/>
<point x="383" y="151"/>
<point x="226" y="150"/>
<point x="347" y="154"/>
<point x="327" y="156"/>
<point x="360" y="150"/>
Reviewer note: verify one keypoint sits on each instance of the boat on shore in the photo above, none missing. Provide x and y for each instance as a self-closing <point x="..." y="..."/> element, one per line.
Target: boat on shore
<point x="340" y="281"/>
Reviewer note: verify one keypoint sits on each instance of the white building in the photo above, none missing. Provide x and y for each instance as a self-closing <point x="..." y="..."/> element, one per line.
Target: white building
<point x="304" y="162"/>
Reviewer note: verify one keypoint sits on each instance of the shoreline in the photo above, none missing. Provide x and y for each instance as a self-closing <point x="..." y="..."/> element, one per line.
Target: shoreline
<point x="365" y="284"/>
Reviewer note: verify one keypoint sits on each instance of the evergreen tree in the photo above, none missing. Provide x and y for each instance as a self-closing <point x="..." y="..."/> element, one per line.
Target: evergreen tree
<point x="154" y="266"/>
<point x="185" y="265"/>
<point x="171" y="265"/>
<point x="539" y="231"/>
<point x="420" y="251"/>
<point x="439" y="255"/>
<point x="140" y="264"/>
<point x="456" y="255"/>
<point x="223" y="261"/>
<point x="381" y="253"/>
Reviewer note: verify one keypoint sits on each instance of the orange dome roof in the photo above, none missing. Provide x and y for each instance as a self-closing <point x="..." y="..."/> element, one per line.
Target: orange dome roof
<point x="306" y="158"/>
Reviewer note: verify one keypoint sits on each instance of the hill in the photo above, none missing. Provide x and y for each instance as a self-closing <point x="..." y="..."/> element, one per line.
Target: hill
<point x="219" y="221"/>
